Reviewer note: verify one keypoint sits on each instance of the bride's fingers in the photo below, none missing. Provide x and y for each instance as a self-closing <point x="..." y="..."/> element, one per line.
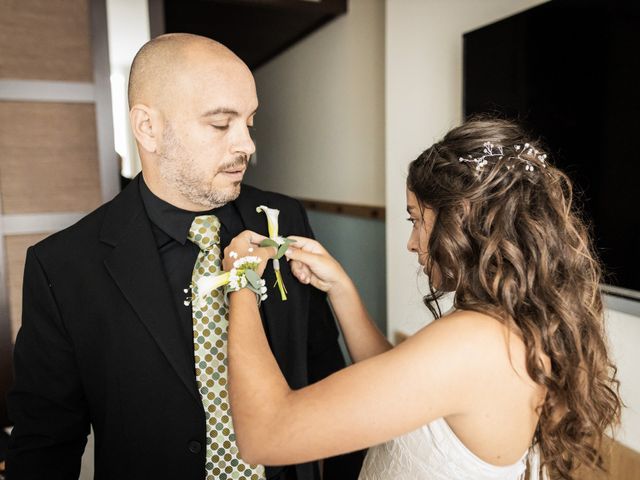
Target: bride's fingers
<point x="306" y="275"/>
<point x="306" y="244"/>
<point x="300" y="271"/>
<point x="312" y="260"/>
<point x="252" y="237"/>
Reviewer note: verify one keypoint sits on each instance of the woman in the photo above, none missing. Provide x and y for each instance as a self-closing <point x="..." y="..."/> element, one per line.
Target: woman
<point x="521" y="362"/>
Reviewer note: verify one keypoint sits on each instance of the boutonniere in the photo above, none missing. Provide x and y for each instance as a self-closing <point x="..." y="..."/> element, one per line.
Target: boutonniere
<point x="243" y="274"/>
<point x="276" y="241"/>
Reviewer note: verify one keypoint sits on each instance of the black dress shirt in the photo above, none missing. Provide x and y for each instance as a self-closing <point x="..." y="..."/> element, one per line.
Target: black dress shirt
<point x="170" y="226"/>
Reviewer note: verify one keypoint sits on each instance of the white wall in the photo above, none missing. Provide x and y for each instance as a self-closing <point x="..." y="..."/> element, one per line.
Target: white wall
<point x="423" y="101"/>
<point x="128" y="28"/>
<point x="624" y="335"/>
<point x="322" y="112"/>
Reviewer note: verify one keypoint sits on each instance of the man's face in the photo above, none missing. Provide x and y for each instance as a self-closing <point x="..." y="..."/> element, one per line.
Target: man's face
<point x="206" y="141"/>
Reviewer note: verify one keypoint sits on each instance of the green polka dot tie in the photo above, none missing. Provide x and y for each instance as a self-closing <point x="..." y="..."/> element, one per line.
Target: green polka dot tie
<point x="210" y="322"/>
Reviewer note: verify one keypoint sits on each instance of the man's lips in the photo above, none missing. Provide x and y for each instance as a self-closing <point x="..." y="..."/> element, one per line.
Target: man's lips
<point x="236" y="172"/>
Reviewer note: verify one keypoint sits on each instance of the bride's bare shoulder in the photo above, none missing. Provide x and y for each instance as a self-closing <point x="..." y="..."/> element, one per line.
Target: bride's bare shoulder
<point x="476" y="337"/>
<point x="473" y="360"/>
<point x="466" y="325"/>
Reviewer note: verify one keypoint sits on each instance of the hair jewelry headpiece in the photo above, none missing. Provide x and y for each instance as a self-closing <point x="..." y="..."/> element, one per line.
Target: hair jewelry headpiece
<point x="491" y="150"/>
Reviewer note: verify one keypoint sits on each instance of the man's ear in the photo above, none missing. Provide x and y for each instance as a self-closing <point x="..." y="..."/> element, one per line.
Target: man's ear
<point x="146" y="124"/>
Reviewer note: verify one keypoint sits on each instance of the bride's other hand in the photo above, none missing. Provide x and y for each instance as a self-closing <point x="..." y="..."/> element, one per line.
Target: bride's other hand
<point x="312" y="264"/>
<point x="247" y="244"/>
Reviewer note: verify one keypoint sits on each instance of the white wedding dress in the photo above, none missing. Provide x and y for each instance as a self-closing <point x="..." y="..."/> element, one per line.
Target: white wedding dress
<point x="433" y="452"/>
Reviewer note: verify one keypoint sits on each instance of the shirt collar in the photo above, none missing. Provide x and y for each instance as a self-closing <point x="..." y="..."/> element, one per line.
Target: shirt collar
<point x="175" y="221"/>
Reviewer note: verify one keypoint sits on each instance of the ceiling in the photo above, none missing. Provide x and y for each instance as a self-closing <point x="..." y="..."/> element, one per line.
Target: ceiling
<point x="256" y="30"/>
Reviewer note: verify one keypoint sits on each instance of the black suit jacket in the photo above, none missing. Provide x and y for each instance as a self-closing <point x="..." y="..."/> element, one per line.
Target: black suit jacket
<point x="101" y="345"/>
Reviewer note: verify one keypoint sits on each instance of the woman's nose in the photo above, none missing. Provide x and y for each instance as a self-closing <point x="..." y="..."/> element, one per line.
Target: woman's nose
<point x="411" y="245"/>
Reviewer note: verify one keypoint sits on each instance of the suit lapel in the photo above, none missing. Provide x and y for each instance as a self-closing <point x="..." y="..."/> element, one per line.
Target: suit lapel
<point x="135" y="266"/>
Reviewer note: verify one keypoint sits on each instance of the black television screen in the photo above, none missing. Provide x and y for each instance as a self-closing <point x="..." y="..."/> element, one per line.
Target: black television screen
<point x="569" y="70"/>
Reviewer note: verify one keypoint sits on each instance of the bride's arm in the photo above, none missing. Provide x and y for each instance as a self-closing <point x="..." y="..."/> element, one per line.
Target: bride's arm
<point x="432" y="374"/>
<point x="361" y="335"/>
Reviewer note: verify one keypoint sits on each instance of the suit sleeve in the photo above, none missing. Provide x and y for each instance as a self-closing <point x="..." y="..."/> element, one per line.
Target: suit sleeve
<point x="46" y="404"/>
<point x="324" y="358"/>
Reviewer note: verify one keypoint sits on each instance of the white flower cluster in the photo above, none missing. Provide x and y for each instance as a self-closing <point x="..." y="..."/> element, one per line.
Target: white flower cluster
<point x="247" y="262"/>
<point x="238" y="276"/>
<point x="532" y="151"/>
<point x="236" y="280"/>
<point x="491" y="150"/>
<point x="263" y="291"/>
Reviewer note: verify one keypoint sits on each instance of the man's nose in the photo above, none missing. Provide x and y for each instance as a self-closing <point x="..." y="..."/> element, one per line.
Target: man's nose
<point x="244" y="143"/>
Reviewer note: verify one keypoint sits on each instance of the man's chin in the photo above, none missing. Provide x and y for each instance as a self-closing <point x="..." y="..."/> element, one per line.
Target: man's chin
<point x="235" y="190"/>
<point x="229" y="194"/>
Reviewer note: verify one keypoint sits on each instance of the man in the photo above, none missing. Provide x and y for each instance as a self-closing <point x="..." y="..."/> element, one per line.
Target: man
<point x="108" y="337"/>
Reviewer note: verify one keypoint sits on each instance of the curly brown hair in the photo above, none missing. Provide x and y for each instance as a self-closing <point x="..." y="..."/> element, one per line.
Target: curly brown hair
<point x="510" y="243"/>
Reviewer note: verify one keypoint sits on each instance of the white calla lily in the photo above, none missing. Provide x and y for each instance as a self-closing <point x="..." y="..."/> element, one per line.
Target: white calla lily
<point x="272" y="219"/>
<point x="272" y="226"/>
<point x="211" y="282"/>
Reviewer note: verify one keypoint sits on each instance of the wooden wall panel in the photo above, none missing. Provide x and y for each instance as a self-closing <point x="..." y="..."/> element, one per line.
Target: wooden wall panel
<point x="16" y="250"/>
<point x="45" y="40"/>
<point x="48" y="157"/>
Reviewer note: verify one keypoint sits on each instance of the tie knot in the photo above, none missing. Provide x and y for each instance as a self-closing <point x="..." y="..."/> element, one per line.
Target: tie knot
<point x="205" y="231"/>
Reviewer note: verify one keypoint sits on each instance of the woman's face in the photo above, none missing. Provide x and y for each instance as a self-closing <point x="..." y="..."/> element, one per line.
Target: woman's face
<point x="422" y="220"/>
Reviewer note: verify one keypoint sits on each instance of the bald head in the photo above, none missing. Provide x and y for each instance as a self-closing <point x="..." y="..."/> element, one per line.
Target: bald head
<point x="161" y="60"/>
<point x="192" y="105"/>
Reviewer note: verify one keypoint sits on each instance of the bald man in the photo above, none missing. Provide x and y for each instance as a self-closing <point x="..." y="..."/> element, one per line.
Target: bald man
<point x="109" y="338"/>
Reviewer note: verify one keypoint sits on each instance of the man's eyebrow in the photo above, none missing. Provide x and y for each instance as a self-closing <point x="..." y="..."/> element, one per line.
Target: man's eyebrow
<point x="224" y="111"/>
<point x="220" y="110"/>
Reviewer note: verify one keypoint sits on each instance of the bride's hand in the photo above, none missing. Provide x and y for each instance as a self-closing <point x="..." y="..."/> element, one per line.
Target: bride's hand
<point x="312" y="264"/>
<point x="247" y="244"/>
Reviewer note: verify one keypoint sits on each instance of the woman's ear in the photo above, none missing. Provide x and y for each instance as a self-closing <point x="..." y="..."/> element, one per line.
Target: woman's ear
<point x="147" y="126"/>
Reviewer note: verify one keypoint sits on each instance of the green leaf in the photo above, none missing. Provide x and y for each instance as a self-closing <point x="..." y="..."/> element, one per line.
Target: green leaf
<point x="268" y="242"/>
<point x="283" y="248"/>
<point x="253" y="278"/>
<point x="288" y="242"/>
